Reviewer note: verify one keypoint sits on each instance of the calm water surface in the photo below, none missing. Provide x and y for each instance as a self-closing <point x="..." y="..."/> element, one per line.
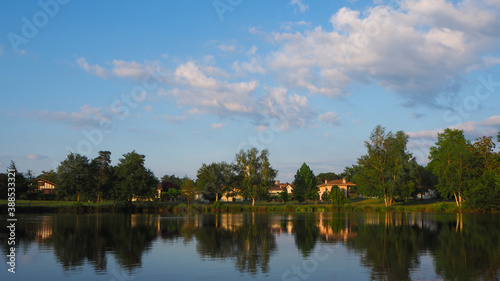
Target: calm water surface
<point x="297" y="246"/>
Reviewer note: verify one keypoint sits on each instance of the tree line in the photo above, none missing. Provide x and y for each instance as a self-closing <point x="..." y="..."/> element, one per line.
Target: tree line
<point x="466" y="171"/>
<point x="459" y="168"/>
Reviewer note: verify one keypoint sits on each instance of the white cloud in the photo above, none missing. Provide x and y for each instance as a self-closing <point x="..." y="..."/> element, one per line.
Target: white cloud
<point x="330" y="118"/>
<point x="148" y="108"/>
<point x="93" y="69"/>
<point x="87" y="117"/>
<point x="34" y="156"/>
<point x="196" y="90"/>
<point x="419" y="51"/>
<point x="125" y="69"/>
<point x="472" y="129"/>
<point x="301" y="6"/>
<point x="285" y="110"/>
<point x="252" y="50"/>
<point x="425" y="134"/>
<point x="216" y="126"/>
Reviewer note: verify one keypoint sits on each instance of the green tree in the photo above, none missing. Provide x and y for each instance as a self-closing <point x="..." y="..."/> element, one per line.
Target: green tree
<point x="451" y="161"/>
<point x="102" y="174"/>
<point x="255" y="173"/>
<point x="424" y="180"/>
<point x="486" y="158"/>
<point x="188" y="190"/>
<point x="133" y="179"/>
<point x="21" y="183"/>
<point x="385" y="170"/>
<point x="50" y="175"/>
<point x="73" y="177"/>
<point x="284" y="196"/>
<point x="305" y="184"/>
<point x="322" y="177"/>
<point x="172" y="181"/>
<point x="216" y="178"/>
<point x="326" y="196"/>
<point x="348" y="173"/>
<point x="337" y="196"/>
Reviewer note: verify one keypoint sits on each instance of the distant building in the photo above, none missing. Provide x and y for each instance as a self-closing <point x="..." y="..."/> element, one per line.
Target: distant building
<point x="342" y="184"/>
<point x="278" y="187"/>
<point x="45" y="186"/>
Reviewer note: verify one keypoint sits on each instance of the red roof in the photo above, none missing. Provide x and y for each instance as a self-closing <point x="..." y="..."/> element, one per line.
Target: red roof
<point x="337" y="182"/>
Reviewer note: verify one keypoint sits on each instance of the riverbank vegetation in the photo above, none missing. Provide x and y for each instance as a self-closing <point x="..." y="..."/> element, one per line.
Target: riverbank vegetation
<point x="465" y="171"/>
<point x="352" y="205"/>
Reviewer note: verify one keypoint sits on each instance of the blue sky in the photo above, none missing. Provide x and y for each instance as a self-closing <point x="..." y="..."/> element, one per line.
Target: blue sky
<point x="192" y="82"/>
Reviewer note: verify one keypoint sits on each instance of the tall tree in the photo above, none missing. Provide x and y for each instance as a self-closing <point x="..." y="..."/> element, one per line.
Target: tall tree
<point x="485" y="156"/>
<point x="50" y="175"/>
<point x="348" y="173"/>
<point x="451" y="161"/>
<point x="215" y="178"/>
<point x="424" y="179"/>
<point x="188" y="190"/>
<point x="384" y="170"/>
<point x="73" y="177"/>
<point x="305" y="184"/>
<point x="337" y="196"/>
<point x="102" y="174"/>
<point x="133" y="179"/>
<point x="255" y="173"/>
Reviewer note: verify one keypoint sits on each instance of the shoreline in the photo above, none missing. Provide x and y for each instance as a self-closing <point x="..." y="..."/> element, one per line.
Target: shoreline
<point x="365" y="205"/>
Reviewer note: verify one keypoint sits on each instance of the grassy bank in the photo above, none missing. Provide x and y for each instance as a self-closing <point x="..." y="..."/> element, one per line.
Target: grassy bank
<point x="353" y="205"/>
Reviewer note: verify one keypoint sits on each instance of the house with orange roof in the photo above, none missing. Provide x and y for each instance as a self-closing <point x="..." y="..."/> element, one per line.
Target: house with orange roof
<point x="342" y="184"/>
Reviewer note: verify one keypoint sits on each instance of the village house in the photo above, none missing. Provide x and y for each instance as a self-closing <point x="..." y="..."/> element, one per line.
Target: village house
<point x="278" y="187"/>
<point x="342" y="184"/>
<point x="45" y="186"/>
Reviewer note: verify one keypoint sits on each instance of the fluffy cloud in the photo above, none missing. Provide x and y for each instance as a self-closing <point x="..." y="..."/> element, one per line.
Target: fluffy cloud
<point x="285" y="110"/>
<point x="419" y="51"/>
<point x="198" y="91"/>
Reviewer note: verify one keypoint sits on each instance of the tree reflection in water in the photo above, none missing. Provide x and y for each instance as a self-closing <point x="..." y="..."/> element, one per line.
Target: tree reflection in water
<point x="390" y="245"/>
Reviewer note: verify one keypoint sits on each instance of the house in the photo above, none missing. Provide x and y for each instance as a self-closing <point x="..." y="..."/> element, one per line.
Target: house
<point x="233" y="196"/>
<point x="45" y="186"/>
<point x="342" y="184"/>
<point x="278" y="187"/>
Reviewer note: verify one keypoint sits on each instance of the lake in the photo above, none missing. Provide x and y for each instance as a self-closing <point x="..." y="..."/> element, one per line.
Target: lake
<point x="254" y="246"/>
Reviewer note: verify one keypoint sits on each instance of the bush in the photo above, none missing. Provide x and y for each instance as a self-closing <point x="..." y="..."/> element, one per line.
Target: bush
<point x="182" y="207"/>
<point x="216" y="206"/>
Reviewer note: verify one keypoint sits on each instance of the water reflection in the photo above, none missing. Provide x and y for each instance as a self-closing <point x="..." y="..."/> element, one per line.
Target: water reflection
<point x="390" y="246"/>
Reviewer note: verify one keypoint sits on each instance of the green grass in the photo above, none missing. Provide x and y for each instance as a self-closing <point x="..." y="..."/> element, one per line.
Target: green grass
<point x="352" y="205"/>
